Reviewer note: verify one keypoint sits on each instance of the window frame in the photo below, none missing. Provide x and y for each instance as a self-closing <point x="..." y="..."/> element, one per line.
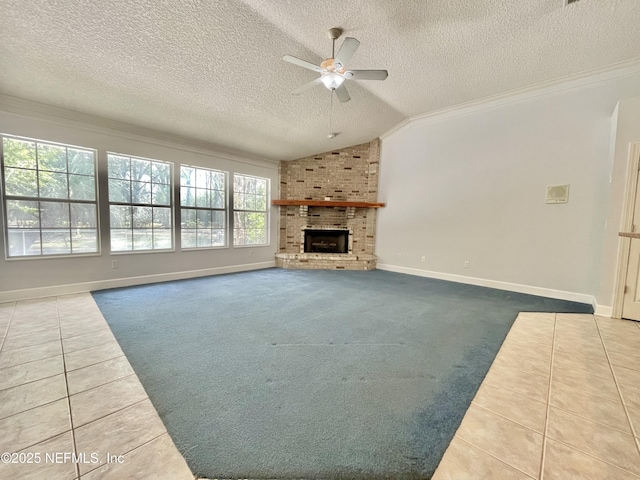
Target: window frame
<point x="233" y="210"/>
<point x="224" y="209"/>
<point x="5" y="198"/>
<point x="170" y="205"/>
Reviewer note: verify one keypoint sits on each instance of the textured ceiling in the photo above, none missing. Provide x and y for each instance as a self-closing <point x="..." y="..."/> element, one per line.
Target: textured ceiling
<point x="213" y="70"/>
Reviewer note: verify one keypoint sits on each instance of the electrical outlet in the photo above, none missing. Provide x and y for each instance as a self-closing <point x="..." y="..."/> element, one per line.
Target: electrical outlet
<point x="467" y="264"/>
<point x="423" y="259"/>
<point x="115" y="264"/>
<point x="399" y="256"/>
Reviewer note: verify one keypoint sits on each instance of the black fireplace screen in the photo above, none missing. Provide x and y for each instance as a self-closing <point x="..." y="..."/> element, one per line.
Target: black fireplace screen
<point x="326" y="241"/>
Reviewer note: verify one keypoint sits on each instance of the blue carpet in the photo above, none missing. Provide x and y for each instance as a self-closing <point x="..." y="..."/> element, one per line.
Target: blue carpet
<point x="313" y="374"/>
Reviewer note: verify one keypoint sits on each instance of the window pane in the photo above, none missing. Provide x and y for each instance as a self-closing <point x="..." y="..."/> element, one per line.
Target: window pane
<point x="142" y="217"/>
<point x="53" y="185"/>
<point x="261" y="187"/>
<point x="250" y="195"/>
<point x="161" y="217"/>
<point x="121" y="217"/>
<point x="84" y="241"/>
<point x="188" y="196"/>
<point x="21" y="182"/>
<point x="140" y="170"/>
<point x="238" y="183"/>
<point x="204" y="219"/>
<point x="24" y="242"/>
<point x="50" y="221"/>
<point x="239" y="201"/>
<point x="250" y="202"/>
<point x="23" y="214"/>
<point x="81" y="161"/>
<point x="202" y="198"/>
<point x="217" y="238"/>
<point x="188" y="238"/>
<point x="187" y="176"/>
<point x="82" y="187"/>
<point x="218" y="180"/>
<point x="188" y="218"/>
<point x="119" y="191"/>
<point x="54" y="214"/>
<point x="140" y="192"/>
<point x="56" y="241"/>
<point x="143" y="239"/>
<point x="150" y="185"/>
<point x="239" y="237"/>
<point x="203" y="178"/>
<point x="121" y="240"/>
<point x="204" y="238"/>
<point x="250" y="186"/>
<point x="83" y="216"/>
<point x="161" y="194"/>
<point x="217" y="199"/>
<point x="162" y="239"/>
<point x="161" y="173"/>
<point x="52" y="158"/>
<point x="19" y="153"/>
<point x="218" y="220"/>
<point x="119" y="167"/>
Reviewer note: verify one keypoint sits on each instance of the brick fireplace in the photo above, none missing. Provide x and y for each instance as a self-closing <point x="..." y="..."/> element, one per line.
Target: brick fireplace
<point x="333" y="192"/>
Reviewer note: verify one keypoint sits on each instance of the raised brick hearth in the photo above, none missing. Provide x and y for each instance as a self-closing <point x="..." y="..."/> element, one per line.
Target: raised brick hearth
<point x="349" y="174"/>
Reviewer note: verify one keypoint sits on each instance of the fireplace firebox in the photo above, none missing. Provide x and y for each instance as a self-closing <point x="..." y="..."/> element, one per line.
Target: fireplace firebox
<point x="326" y="241"/>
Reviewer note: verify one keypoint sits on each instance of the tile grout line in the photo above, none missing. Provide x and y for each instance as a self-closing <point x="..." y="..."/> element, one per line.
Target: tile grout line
<point x="166" y="432"/>
<point x="97" y="363"/>
<point x="115" y="411"/>
<point x="635" y="475"/>
<point x="546" y="417"/>
<point x="506" y="418"/>
<point x="102" y="384"/>
<point x="554" y="406"/>
<point x="66" y="382"/>
<point x="615" y="379"/>
<point x="4" y="338"/>
<point x="492" y="456"/>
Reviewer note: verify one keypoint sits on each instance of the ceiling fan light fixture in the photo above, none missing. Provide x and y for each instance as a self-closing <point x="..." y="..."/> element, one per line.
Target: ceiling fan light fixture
<point x="332" y="80"/>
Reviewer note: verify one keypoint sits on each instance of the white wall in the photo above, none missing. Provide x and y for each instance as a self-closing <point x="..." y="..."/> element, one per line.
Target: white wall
<point x="625" y="132"/>
<point x="25" y="278"/>
<point x="469" y="185"/>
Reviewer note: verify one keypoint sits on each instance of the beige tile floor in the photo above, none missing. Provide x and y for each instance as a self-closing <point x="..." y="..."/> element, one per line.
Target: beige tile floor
<point x="561" y="401"/>
<point x="67" y="392"/>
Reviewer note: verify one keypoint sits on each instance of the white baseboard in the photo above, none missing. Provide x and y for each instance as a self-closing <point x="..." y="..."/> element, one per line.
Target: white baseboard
<point x="29" y="293"/>
<point x="482" y="282"/>
<point x="603" y="310"/>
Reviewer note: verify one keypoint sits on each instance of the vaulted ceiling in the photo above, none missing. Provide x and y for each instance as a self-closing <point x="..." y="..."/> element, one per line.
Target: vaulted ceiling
<point x="213" y="71"/>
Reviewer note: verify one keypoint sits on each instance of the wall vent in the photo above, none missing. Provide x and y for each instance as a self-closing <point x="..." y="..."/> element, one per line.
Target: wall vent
<point x="557" y="194"/>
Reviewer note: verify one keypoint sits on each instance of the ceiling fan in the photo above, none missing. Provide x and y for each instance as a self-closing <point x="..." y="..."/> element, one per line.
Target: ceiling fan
<point x="333" y="72"/>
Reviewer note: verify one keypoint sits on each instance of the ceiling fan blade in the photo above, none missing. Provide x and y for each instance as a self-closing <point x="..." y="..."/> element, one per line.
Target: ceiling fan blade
<point x="302" y="63"/>
<point x="367" y="74"/>
<point x="348" y="48"/>
<point x="306" y="86"/>
<point x="342" y="94"/>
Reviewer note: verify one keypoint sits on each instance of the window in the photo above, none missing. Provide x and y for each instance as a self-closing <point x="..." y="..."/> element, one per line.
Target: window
<point x="203" y="204"/>
<point x="250" y="195"/>
<point x="49" y="198"/>
<point x="139" y="204"/>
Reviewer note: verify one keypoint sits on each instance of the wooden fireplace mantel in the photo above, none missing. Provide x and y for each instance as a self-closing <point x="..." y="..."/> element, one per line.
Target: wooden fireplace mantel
<point x="328" y="203"/>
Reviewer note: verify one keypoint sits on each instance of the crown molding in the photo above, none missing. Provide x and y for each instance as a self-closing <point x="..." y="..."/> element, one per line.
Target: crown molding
<point x="72" y="118"/>
<point x="569" y="82"/>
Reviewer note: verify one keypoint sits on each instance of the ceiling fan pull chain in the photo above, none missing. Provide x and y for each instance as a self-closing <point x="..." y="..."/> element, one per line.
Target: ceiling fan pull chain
<point x="331" y="112"/>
